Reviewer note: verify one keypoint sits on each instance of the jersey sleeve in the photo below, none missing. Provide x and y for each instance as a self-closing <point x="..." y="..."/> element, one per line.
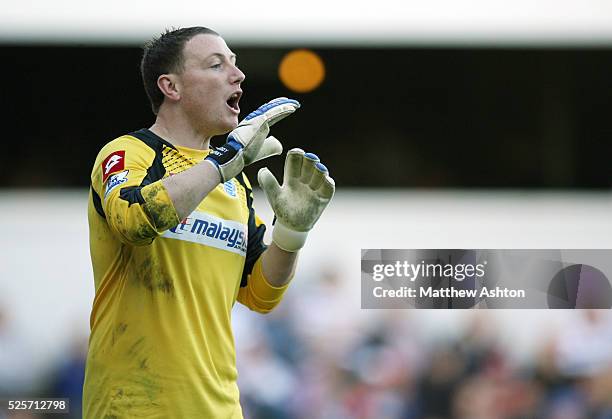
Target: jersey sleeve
<point x="127" y="191"/>
<point x="255" y="291"/>
<point x="258" y="294"/>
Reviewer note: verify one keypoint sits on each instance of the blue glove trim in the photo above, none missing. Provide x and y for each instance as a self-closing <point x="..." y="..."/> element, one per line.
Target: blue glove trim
<point x="321" y="167"/>
<point x="233" y="143"/>
<point x="311" y="156"/>
<point x="264" y="108"/>
<point x="216" y="163"/>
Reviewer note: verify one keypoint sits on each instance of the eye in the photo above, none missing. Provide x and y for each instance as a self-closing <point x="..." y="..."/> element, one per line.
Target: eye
<point x="217" y="65"/>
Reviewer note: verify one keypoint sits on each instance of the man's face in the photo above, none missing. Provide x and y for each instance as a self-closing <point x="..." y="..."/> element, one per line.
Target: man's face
<point x="210" y="85"/>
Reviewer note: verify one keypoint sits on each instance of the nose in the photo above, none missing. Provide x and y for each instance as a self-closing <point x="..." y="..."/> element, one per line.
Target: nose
<point x="237" y="76"/>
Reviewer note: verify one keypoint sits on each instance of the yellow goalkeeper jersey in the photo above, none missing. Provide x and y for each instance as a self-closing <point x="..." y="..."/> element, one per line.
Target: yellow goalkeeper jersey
<point x="161" y="343"/>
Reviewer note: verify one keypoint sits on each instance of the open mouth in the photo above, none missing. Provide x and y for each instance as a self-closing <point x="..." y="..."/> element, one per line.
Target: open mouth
<point x="233" y="100"/>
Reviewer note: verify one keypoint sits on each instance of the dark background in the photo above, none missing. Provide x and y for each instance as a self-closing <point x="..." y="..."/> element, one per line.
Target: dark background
<point x="417" y="117"/>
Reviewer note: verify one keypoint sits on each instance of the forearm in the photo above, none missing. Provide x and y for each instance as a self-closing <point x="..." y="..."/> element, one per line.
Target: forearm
<point x="188" y="188"/>
<point x="278" y="265"/>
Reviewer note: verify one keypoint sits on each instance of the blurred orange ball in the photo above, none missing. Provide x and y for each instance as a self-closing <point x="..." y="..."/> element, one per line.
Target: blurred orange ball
<point x="301" y="71"/>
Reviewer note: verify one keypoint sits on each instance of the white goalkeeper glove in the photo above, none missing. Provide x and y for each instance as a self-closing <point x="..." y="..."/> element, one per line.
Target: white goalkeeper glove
<point x="249" y="141"/>
<point x="298" y="204"/>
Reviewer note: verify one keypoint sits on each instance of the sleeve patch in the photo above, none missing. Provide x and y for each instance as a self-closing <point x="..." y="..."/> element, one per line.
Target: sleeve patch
<point x="115" y="180"/>
<point x="114" y="163"/>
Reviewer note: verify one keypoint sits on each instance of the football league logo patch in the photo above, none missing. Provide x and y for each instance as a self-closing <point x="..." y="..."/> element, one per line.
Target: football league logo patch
<point x="116" y="180"/>
<point x="114" y="163"/>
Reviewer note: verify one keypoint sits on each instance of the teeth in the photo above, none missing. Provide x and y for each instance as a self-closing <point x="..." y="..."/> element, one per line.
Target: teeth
<point x="233" y="100"/>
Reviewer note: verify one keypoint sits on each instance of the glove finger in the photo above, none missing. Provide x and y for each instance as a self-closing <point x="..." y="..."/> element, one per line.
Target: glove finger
<point x="271" y="108"/>
<point x="278" y="99"/>
<point x="271" y="147"/>
<point x="279" y="112"/>
<point x="279" y="108"/>
<point x="275" y="100"/>
<point x="293" y="164"/>
<point x="327" y="188"/>
<point x="319" y="176"/>
<point x="269" y="184"/>
<point x="308" y="167"/>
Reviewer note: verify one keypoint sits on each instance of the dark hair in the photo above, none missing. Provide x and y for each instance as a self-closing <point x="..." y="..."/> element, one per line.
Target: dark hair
<point x="163" y="55"/>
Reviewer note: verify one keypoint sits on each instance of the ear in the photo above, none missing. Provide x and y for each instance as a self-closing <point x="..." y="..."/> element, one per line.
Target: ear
<point x="168" y="85"/>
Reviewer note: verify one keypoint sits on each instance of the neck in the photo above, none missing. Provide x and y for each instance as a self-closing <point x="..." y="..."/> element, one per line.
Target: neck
<point x="178" y="131"/>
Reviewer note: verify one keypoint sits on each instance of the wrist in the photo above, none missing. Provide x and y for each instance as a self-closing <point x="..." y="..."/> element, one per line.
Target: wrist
<point x="287" y="238"/>
<point x="227" y="159"/>
<point x="216" y="170"/>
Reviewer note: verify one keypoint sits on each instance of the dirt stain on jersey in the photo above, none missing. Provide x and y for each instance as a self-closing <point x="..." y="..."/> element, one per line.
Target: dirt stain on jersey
<point x="149" y="274"/>
<point x="144" y="233"/>
<point x="118" y="331"/>
<point x="158" y="207"/>
<point x="144" y="381"/>
<point x="136" y="347"/>
<point x="148" y="385"/>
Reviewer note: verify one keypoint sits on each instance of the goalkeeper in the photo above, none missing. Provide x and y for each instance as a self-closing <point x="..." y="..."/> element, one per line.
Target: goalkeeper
<point x="175" y="241"/>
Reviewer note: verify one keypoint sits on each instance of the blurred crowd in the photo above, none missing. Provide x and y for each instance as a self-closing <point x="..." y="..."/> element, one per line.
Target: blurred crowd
<point x="315" y="358"/>
<point x="312" y="359"/>
<point x="20" y="376"/>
